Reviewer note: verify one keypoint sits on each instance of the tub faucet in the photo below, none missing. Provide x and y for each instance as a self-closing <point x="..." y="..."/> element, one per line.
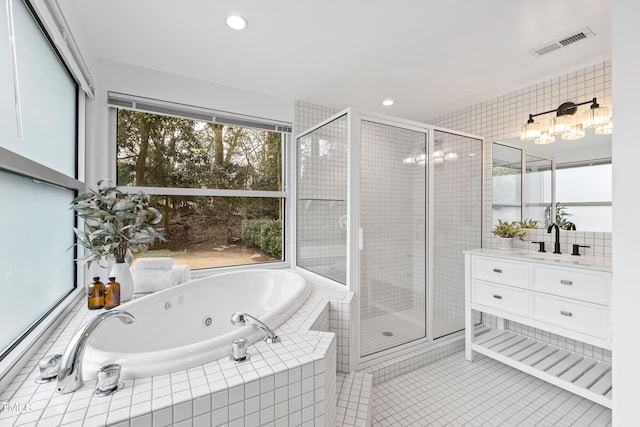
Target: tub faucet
<point x="556" y="245"/>
<point x="70" y="370"/>
<point x="240" y="318"/>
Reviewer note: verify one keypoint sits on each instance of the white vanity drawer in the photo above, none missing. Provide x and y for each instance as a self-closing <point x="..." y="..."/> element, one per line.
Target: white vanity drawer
<point x="584" y="317"/>
<point x="585" y="285"/>
<point x="505" y="298"/>
<point x="497" y="270"/>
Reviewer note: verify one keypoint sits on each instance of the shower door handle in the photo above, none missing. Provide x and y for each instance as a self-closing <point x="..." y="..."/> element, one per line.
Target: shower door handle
<point x="360" y="238"/>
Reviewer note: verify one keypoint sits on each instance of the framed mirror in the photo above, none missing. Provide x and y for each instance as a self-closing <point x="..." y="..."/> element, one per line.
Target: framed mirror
<point x="580" y="177"/>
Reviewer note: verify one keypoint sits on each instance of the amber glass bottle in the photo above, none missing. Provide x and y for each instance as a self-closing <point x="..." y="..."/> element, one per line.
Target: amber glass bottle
<point x="95" y="294"/>
<point x="112" y="294"/>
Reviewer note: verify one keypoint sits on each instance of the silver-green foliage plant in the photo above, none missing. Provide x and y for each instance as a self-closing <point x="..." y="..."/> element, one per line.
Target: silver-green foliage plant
<point x="528" y="223"/>
<point x="115" y="222"/>
<point x="509" y="229"/>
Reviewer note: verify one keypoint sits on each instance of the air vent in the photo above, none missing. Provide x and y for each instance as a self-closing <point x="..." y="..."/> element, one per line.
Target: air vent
<point x="563" y="42"/>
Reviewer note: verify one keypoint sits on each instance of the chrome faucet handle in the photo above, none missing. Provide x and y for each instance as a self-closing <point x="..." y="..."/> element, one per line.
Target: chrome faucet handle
<point x="108" y="380"/>
<point x="239" y="350"/>
<point x="48" y="366"/>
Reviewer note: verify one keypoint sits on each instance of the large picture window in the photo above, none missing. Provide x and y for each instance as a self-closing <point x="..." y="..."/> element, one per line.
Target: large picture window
<point x="219" y="187"/>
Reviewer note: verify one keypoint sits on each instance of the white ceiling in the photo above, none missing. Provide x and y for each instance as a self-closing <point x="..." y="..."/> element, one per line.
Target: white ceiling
<point x="431" y="57"/>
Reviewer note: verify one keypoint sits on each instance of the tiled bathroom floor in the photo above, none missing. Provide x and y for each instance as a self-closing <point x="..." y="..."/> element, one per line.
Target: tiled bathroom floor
<point x="454" y="392"/>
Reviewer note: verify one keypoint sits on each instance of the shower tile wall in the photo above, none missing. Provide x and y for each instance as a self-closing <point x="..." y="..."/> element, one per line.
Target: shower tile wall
<point x="500" y="118"/>
<point x="457" y="206"/>
<point x="321" y="200"/>
<point x="392" y="217"/>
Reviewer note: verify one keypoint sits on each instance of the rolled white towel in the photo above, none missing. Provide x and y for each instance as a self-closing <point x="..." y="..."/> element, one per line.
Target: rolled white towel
<point x="181" y="274"/>
<point x="147" y="281"/>
<point x="153" y="264"/>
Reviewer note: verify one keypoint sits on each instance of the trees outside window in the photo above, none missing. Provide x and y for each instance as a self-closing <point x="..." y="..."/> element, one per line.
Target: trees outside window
<point x="219" y="187"/>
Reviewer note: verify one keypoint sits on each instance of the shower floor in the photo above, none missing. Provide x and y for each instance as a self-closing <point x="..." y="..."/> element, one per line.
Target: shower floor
<point x="394" y="329"/>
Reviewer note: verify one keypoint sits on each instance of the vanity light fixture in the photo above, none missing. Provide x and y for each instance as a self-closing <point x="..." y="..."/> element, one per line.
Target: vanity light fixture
<point x="438" y="156"/>
<point x="236" y="22"/>
<point x="451" y="156"/>
<point x="605" y="129"/>
<point x="565" y="123"/>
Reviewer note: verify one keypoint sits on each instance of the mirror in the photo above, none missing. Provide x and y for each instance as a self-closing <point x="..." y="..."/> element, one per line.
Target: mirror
<point x="581" y="182"/>
<point x="507" y="183"/>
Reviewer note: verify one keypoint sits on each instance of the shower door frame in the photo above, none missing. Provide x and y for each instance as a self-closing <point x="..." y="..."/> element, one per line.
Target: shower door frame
<point x="355" y="232"/>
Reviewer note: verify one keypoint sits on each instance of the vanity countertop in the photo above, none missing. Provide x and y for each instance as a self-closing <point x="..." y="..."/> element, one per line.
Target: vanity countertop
<point x="567" y="260"/>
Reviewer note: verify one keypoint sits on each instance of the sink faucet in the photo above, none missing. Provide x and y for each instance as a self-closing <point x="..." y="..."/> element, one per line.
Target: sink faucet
<point x="70" y="370"/>
<point x="240" y="318"/>
<point x="556" y="246"/>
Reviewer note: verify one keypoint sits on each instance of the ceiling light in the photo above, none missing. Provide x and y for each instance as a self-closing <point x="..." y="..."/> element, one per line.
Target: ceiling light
<point x="236" y="22"/>
<point x="387" y="102"/>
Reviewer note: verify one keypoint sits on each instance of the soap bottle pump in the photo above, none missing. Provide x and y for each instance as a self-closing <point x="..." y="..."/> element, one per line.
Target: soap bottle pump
<point x="112" y="294"/>
<point x="95" y="294"/>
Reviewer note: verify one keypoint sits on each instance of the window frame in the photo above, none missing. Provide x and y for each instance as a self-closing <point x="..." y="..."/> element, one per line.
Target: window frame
<point x="234" y="119"/>
<point x="20" y="351"/>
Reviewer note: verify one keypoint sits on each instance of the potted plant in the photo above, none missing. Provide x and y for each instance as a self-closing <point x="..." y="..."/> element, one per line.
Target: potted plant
<point x="506" y="231"/>
<point x="528" y="223"/>
<point x="114" y="223"/>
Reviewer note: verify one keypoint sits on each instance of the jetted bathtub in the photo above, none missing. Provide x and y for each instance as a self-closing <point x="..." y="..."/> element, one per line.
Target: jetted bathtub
<point x="189" y="325"/>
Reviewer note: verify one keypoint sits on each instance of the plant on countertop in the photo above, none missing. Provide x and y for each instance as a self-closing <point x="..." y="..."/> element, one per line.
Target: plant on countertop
<point x="528" y="223"/>
<point x="115" y="222"/>
<point x="508" y="230"/>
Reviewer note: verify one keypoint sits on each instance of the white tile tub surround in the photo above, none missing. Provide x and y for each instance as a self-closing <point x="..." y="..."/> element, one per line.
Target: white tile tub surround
<point x="291" y="383"/>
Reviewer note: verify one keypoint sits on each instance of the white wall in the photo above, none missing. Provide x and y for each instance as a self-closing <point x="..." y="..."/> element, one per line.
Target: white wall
<point x="626" y="207"/>
<point x="118" y="77"/>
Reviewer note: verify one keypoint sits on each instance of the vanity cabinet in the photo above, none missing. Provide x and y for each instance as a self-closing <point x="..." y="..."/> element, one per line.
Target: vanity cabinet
<point x="561" y="295"/>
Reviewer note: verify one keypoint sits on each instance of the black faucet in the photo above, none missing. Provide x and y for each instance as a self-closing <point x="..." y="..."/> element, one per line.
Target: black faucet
<point x="556" y="246"/>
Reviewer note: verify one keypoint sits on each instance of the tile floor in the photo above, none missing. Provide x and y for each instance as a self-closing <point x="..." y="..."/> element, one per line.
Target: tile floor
<point x="454" y="392"/>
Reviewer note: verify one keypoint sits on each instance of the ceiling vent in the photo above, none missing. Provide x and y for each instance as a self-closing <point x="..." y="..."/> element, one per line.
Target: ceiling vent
<point x="582" y="34"/>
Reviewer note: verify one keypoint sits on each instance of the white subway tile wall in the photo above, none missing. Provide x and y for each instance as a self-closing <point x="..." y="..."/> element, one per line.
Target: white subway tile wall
<point x="500" y="118"/>
<point x="293" y="383"/>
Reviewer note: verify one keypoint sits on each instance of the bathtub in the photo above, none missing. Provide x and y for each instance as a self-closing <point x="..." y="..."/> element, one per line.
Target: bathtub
<point x="189" y="325"/>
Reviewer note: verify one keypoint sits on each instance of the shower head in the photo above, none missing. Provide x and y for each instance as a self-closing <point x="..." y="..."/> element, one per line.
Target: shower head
<point x="238" y="318"/>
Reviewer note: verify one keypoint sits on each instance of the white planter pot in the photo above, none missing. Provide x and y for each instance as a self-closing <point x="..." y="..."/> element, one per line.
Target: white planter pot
<point x="122" y="273"/>
<point x="505" y="243"/>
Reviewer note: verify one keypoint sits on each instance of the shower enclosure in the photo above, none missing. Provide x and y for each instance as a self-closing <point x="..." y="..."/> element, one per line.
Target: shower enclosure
<point x="386" y="206"/>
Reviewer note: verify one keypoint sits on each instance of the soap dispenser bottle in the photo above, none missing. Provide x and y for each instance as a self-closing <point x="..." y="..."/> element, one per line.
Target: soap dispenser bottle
<point x="95" y="294"/>
<point x="112" y="294"/>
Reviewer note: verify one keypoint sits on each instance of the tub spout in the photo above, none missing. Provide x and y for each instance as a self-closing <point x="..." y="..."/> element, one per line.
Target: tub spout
<point x="240" y="318"/>
<point x="70" y="369"/>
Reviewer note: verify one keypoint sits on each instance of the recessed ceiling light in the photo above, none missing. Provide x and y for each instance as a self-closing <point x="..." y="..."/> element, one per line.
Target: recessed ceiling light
<point x="387" y="102"/>
<point x="236" y="22"/>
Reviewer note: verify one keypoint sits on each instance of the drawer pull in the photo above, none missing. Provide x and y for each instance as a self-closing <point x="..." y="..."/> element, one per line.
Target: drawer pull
<point x="566" y="282"/>
<point x="497" y="296"/>
<point x="497" y="270"/>
<point x="566" y="313"/>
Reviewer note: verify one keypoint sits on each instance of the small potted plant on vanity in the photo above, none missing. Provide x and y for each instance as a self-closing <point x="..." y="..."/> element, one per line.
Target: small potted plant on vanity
<point x="506" y="232"/>
<point x="114" y="223"/>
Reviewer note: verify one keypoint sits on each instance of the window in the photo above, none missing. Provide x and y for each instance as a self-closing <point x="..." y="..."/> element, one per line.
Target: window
<point x="584" y="195"/>
<point x="219" y="186"/>
<point x="38" y="180"/>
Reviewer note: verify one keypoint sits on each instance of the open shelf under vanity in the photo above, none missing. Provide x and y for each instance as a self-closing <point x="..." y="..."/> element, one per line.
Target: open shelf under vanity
<point x="584" y="376"/>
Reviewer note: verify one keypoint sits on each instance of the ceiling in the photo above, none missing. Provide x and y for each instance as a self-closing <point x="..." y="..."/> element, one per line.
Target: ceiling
<point x="431" y="57"/>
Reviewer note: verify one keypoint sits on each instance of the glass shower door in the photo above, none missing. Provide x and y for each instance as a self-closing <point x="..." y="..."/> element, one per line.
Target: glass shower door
<point x="393" y="254"/>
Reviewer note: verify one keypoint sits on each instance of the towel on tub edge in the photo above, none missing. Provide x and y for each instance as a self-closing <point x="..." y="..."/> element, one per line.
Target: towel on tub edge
<point x="156" y="274"/>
